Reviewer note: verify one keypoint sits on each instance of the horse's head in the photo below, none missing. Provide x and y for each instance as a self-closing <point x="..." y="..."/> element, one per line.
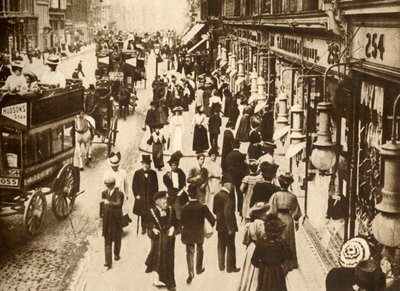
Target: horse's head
<point x="80" y="122"/>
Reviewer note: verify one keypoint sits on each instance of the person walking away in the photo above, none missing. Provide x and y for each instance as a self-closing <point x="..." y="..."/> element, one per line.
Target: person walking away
<point x="160" y="223"/>
<point x="263" y="190"/>
<point x="214" y="177"/>
<point x="226" y="146"/>
<point x="157" y="139"/>
<point x="226" y="227"/>
<point x="176" y="129"/>
<point x="194" y="215"/>
<point x="214" y="124"/>
<point x="111" y="212"/>
<point x="200" y="138"/>
<point x="285" y="205"/>
<point x="199" y="176"/>
<point x="243" y="131"/>
<point x="144" y="185"/>
<point x="247" y="187"/>
<point x="151" y="119"/>
<point x="80" y="68"/>
<point x="235" y="166"/>
<point x="254" y="151"/>
<point x="270" y="256"/>
<point x="253" y="232"/>
<point x="175" y="181"/>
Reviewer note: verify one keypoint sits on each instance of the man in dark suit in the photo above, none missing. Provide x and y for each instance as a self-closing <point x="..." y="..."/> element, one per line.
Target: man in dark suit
<point x="194" y="214"/>
<point x="175" y="181"/>
<point x="4" y="70"/>
<point x="224" y="209"/>
<point x="235" y="167"/>
<point x="144" y="185"/>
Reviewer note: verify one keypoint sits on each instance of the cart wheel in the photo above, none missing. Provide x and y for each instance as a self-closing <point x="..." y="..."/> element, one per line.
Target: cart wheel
<point x="64" y="195"/>
<point x="34" y="213"/>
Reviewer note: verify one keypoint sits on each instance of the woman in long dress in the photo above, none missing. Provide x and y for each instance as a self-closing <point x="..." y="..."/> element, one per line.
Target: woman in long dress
<point x="244" y="127"/>
<point x="247" y="186"/>
<point x="227" y="146"/>
<point x="214" y="177"/>
<point x="254" y="151"/>
<point x="253" y="231"/>
<point x="157" y="140"/>
<point x="200" y="137"/>
<point x="176" y="129"/>
<point x="287" y="208"/>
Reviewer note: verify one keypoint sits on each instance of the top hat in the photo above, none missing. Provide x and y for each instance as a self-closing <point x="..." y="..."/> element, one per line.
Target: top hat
<point x="353" y="251"/>
<point x="114" y="159"/>
<point x="146" y="159"/>
<point x="53" y="60"/>
<point x="226" y="178"/>
<point x="285" y="180"/>
<point x="274" y="226"/>
<point x="17" y="63"/>
<point x="160" y="194"/>
<point x="258" y="210"/>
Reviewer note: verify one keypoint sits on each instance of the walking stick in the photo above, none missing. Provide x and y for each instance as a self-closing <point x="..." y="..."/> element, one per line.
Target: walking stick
<point x="137" y="226"/>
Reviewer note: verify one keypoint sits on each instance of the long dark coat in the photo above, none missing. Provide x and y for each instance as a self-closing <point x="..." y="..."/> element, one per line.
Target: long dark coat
<point x="193" y="215"/>
<point x="112" y="214"/>
<point x="172" y="192"/>
<point x="235" y="166"/>
<point x="145" y="188"/>
<point x="224" y="209"/>
<point x="226" y="146"/>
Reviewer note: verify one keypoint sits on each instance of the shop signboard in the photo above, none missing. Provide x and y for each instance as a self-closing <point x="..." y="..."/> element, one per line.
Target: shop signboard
<point x="316" y="51"/>
<point x="378" y="45"/>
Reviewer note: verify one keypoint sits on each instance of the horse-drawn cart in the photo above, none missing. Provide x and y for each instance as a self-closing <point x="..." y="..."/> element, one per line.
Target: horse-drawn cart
<point x="37" y="151"/>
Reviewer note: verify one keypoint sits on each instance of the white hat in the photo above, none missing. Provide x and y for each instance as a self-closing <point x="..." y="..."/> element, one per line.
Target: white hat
<point x="353" y="251"/>
<point x="114" y="159"/>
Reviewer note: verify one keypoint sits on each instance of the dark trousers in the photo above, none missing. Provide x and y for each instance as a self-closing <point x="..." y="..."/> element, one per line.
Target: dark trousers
<point x="190" y="258"/>
<point x="214" y="140"/>
<point x="226" y="244"/>
<point x="239" y="197"/>
<point x="107" y="248"/>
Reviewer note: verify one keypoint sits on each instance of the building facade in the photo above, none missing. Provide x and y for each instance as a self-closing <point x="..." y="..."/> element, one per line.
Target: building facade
<point x="321" y="60"/>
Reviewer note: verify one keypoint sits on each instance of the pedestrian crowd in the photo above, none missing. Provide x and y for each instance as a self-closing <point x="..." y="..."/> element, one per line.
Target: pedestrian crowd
<point x="241" y="191"/>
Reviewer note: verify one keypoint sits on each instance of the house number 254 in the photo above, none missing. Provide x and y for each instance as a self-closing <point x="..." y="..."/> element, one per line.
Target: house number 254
<point x="374" y="46"/>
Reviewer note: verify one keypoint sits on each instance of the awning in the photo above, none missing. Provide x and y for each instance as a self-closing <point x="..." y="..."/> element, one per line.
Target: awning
<point x="197" y="45"/>
<point x="192" y="32"/>
<point x="294" y="149"/>
<point x="281" y="132"/>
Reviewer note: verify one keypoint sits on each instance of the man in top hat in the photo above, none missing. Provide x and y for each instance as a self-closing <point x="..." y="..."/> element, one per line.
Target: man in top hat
<point x="53" y="77"/>
<point x="111" y="212"/>
<point x="235" y="166"/>
<point x="144" y="185"/>
<point x="194" y="215"/>
<point x="224" y="209"/>
<point x="161" y="223"/>
<point x="4" y="70"/>
<point x="175" y="181"/>
<point x="263" y="191"/>
<point x="16" y="83"/>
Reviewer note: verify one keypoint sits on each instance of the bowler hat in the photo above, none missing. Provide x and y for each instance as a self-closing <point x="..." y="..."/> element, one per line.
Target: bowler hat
<point x="53" y="60"/>
<point x="114" y="159"/>
<point x="160" y="194"/>
<point x="146" y="159"/>
<point x="227" y="178"/>
<point x="274" y="226"/>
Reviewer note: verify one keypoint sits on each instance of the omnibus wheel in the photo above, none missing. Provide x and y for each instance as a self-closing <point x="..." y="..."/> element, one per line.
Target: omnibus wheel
<point x="65" y="190"/>
<point x="35" y="212"/>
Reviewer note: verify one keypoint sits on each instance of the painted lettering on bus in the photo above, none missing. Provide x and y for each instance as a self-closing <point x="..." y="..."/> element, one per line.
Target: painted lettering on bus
<point x="8" y="182"/>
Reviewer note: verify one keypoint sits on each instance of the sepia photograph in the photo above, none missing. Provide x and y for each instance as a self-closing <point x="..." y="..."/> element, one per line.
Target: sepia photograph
<point x="192" y="145"/>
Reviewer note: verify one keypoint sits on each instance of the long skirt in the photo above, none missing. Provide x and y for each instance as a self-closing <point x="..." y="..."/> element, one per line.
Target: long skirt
<point x="161" y="258"/>
<point x="244" y="128"/>
<point x="158" y="155"/>
<point x="289" y="236"/>
<point x="249" y="276"/>
<point x="271" y="278"/>
<point x="200" y="139"/>
<point x="177" y="139"/>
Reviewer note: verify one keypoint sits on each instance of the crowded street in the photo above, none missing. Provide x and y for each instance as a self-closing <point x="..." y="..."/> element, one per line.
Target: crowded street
<point x="229" y="145"/>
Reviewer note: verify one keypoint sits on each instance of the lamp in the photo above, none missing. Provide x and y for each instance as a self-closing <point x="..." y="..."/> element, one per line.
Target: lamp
<point x="282" y="119"/>
<point x="386" y="225"/>
<point x="253" y="89"/>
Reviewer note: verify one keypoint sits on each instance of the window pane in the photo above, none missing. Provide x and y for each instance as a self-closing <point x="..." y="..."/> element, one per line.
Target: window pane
<point x="68" y="138"/>
<point x="10" y="150"/>
<point x="30" y="156"/>
<point x="57" y="139"/>
<point x="43" y="145"/>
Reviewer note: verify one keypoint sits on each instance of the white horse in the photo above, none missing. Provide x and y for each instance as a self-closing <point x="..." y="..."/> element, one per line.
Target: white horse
<point x="84" y="129"/>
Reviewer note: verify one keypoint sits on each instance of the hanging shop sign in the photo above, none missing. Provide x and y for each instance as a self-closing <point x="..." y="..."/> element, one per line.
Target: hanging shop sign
<point x="313" y="50"/>
<point x="377" y="45"/>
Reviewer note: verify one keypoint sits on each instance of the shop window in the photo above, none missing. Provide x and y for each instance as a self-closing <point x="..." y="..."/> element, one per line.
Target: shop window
<point x="310" y="5"/>
<point x="57" y="139"/>
<point x="68" y="137"/>
<point x="30" y="153"/>
<point x="43" y="145"/>
<point x="10" y="150"/>
<point x="236" y="11"/>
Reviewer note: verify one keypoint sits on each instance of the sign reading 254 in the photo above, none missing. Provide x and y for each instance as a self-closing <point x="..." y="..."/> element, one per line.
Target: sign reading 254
<point x="374" y="45"/>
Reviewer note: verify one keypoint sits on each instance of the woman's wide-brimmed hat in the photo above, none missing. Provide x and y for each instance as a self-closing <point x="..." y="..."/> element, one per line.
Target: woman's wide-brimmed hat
<point x="175" y="157"/>
<point x="30" y="74"/>
<point x="53" y="60"/>
<point x="369" y="276"/>
<point x="274" y="226"/>
<point x="258" y="209"/>
<point x="114" y="159"/>
<point x="17" y="64"/>
<point x="353" y="251"/>
<point x="146" y="159"/>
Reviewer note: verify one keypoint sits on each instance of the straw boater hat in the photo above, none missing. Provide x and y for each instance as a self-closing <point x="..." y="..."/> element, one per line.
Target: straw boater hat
<point x="17" y="64"/>
<point x="353" y="251"/>
<point x="114" y="159"/>
<point x="53" y="60"/>
<point x="109" y="179"/>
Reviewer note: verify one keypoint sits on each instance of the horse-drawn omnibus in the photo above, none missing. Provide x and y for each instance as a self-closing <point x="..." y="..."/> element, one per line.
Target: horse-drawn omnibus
<point x="37" y="151"/>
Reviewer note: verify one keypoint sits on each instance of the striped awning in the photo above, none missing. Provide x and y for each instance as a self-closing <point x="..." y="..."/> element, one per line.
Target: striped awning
<point x="192" y="32"/>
